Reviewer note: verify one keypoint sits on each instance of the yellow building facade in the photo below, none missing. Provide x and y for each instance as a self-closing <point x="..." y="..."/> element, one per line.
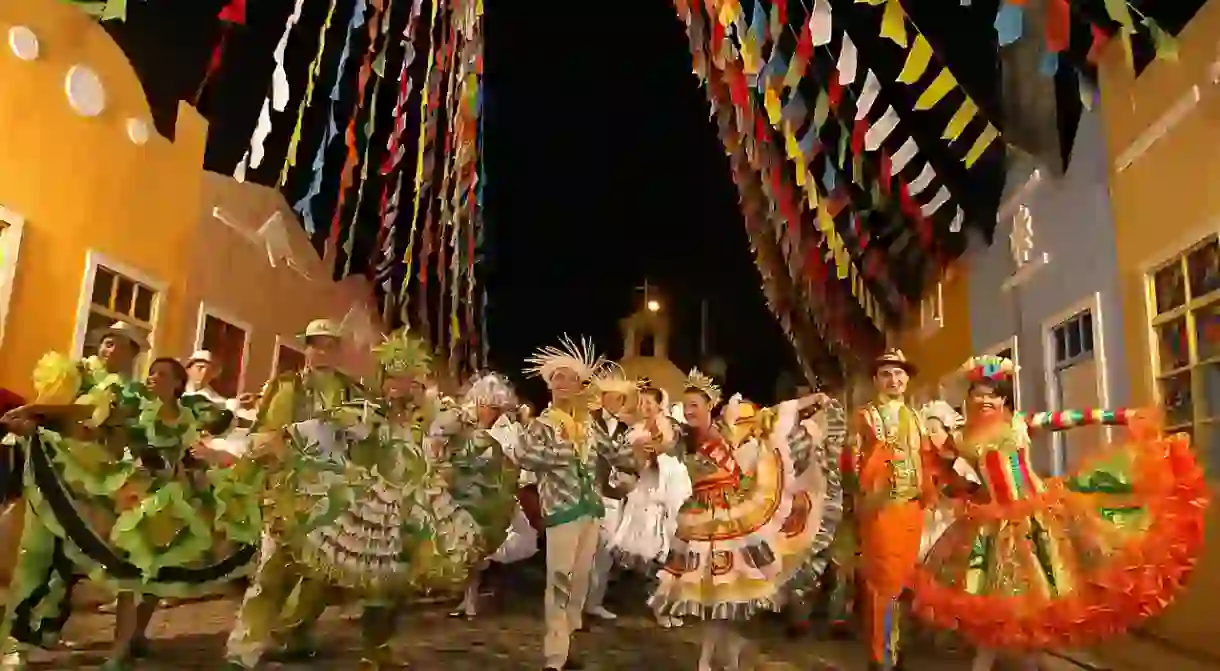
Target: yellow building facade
<point x="102" y="219"/>
<point x="1162" y="131"/>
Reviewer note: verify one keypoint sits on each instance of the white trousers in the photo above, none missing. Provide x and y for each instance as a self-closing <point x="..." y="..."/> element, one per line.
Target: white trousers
<point x="603" y="560"/>
<point x="569" y="557"/>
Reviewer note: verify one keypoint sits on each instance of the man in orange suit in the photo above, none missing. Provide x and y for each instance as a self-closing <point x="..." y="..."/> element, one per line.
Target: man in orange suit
<point x="895" y="485"/>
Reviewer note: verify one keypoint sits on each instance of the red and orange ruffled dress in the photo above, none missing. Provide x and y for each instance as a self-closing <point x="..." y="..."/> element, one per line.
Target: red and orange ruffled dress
<point x="1034" y="563"/>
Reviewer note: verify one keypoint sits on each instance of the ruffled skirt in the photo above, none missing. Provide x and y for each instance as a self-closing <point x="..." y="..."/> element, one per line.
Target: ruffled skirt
<point x="1090" y="557"/>
<point x="649" y="518"/>
<point x="737" y="546"/>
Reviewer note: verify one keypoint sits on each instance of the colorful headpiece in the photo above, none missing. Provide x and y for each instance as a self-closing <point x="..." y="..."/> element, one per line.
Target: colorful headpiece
<point x="610" y="378"/>
<point x="696" y="380"/>
<point x="404" y="353"/>
<point x="577" y="357"/>
<point x="491" y="390"/>
<point x="989" y="367"/>
<point x="942" y="412"/>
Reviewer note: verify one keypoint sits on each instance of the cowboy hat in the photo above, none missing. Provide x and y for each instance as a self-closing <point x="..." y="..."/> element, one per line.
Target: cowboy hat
<point x="894" y="357"/>
<point x="121" y="330"/>
<point x="321" y="328"/>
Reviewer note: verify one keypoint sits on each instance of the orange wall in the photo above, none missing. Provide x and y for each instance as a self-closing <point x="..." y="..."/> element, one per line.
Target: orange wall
<point x="230" y="273"/>
<point x="81" y="183"/>
<point x="940" y="352"/>
<point x="1162" y="203"/>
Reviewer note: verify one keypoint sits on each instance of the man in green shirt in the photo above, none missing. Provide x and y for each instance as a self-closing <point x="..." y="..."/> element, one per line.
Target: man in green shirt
<point x="289" y="399"/>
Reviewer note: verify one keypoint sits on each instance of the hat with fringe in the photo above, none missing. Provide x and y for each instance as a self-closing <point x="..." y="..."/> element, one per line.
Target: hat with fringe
<point x="404" y="353"/>
<point x="610" y="378"/>
<point x="576" y="357"/>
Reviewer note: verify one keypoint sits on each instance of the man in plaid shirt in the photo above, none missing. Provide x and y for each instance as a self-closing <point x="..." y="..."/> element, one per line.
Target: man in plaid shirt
<point x="561" y="448"/>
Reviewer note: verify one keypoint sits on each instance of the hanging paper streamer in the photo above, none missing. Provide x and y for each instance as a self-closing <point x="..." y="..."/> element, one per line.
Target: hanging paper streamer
<point x="233" y="14"/>
<point x="277" y="98"/>
<point x="330" y="131"/>
<point x="290" y="161"/>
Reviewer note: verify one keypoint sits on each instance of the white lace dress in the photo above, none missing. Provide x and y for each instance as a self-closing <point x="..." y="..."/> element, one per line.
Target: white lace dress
<point x="648" y="518"/>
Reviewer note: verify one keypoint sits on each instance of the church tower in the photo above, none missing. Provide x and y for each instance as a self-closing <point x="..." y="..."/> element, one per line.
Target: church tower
<point x="646" y="335"/>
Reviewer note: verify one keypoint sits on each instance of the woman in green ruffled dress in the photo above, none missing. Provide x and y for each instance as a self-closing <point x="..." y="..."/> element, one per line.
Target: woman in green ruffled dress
<point x="108" y="497"/>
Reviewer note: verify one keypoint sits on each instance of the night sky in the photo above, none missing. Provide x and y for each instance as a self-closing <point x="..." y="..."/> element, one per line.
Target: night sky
<point x="603" y="170"/>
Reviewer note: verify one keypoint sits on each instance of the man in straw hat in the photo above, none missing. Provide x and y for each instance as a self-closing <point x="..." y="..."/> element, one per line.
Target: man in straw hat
<point x="894" y="487"/>
<point x="118" y="345"/>
<point x="561" y="447"/>
<point x="613" y="410"/>
<point x="289" y="399"/>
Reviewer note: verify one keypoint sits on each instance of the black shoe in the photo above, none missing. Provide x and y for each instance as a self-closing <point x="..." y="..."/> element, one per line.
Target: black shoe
<point x="574" y="663"/>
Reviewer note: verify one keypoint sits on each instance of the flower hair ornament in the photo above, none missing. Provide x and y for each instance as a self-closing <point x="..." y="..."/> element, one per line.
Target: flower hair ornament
<point x="578" y="357"/>
<point x="491" y="390"/>
<point x="404" y="353"/>
<point x="700" y="382"/>
<point x="989" y="367"/>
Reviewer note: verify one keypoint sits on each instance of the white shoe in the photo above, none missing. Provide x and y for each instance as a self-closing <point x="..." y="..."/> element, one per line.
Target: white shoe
<point x="601" y="613"/>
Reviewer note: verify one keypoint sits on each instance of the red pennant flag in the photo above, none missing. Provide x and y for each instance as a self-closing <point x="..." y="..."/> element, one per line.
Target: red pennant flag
<point x="1100" y="40"/>
<point x="857" y="136"/>
<point x="1058" y="25"/>
<point x="234" y="12"/>
<point x="804" y="44"/>
<point x="834" y="91"/>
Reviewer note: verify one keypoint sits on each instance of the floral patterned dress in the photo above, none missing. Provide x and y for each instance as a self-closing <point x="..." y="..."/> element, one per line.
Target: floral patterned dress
<point x="109" y="498"/>
<point x="762" y="506"/>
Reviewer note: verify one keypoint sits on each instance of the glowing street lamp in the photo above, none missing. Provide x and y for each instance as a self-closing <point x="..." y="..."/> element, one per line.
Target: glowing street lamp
<point x="654" y="306"/>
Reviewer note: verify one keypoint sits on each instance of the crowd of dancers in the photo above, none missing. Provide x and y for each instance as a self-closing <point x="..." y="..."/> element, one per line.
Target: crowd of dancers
<point x="386" y="491"/>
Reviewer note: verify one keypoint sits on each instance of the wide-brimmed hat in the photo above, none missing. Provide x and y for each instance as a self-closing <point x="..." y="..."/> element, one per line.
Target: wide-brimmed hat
<point x="121" y="329"/>
<point x="894" y="357"/>
<point x="200" y="355"/>
<point x="321" y="328"/>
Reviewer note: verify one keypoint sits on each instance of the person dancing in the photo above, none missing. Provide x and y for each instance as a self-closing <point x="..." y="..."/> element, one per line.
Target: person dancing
<point x="765" y="498"/>
<point x="1031" y="563"/>
<point x="561" y="447"/>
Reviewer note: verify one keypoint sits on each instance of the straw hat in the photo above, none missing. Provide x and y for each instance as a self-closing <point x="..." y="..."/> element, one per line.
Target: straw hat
<point x="121" y="330"/>
<point x="321" y="328"/>
<point x="894" y="357"/>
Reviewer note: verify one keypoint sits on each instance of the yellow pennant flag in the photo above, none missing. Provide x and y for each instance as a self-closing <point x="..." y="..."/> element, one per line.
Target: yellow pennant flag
<point x="980" y="145"/>
<point x="841" y="261"/>
<point x="893" y="23"/>
<point x="936" y="91"/>
<point x="802" y="174"/>
<point x="964" y="115"/>
<point x="729" y="9"/>
<point x="294" y="142"/>
<point x="826" y="223"/>
<point x="811" y="194"/>
<point x="773" y="105"/>
<point x="917" y="60"/>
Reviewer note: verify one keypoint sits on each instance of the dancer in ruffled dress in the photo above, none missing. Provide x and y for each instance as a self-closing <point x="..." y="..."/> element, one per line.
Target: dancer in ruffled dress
<point x="650" y="511"/>
<point x="1033" y="563"/>
<point x="104" y="460"/>
<point x="765" y="498"/>
<point x="941" y="422"/>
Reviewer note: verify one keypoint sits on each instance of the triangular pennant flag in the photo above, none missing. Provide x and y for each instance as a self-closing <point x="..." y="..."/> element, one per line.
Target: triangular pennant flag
<point x="936" y="91"/>
<point x="893" y="23"/>
<point x="964" y="115"/>
<point x="917" y="60"/>
<point x="980" y="145"/>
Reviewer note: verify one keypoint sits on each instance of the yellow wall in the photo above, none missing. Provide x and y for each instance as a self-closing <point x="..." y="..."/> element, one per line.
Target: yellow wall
<point x="1162" y="203"/>
<point x="81" y="183"/>
<point x="941" y="351"/>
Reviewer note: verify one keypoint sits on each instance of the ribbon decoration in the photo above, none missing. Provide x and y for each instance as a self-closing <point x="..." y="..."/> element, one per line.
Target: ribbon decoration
<point x="378" y="67"/>
<point x="331" y="131"/>
<point x="421" y="153"/>
<point x="425" y="172"/>
<point x="736" y="122"/>
<point x="294" y="143"/>
<point x="233" y="14"/>
<point x="391" y="172"/>
<point x="277" y="98"/>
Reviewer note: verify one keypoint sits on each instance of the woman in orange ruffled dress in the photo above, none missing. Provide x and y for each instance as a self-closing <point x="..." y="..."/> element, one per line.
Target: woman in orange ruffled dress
<point x="1033" y="563"/>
